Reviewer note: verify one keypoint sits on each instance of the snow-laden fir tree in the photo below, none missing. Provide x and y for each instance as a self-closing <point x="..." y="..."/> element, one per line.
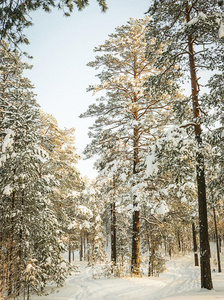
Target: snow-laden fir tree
<point x="128" y="119"/>
<point x="62" y="166"/>
<point x="189" y="32"/>
<point x="30" y="233"/>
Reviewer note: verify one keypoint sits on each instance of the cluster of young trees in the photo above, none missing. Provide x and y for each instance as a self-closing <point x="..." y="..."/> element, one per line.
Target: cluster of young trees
<point x="43" y="198"/>
<point x="38" y="181"/>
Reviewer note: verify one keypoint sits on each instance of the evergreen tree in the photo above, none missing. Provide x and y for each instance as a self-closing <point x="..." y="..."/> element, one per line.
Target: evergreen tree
<point x="61" y="165"/>
<point x="29" y="226"/>
<point x="128" y="118"/>
<point x="190" y="35"/>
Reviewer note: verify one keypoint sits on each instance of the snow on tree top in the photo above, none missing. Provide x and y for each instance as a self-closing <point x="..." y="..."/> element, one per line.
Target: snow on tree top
<point x="72" y="225"/>
<point x="29" y="267"/>
<point x="163" y="208"/>
<point x="85" y="211"/>
<point x="7" y="190"/>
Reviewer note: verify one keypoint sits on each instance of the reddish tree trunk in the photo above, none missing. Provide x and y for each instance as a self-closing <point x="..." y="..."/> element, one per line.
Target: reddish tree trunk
<point x="217" y="242"/>
<point x="206" y="279"/>
<point x="136" y="213"/>
<point x="113" y="234"/>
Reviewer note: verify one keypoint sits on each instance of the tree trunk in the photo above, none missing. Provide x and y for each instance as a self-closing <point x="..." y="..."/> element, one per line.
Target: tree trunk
<point x="165" y="246"/>
<point x="69" y="252"/>
<point x="149" y="265"/>
<point x="135" y="242"/>
<point x="195" y="245"/>
<point x="206" y="279"/>
<point x="87" y="246"/>
<point x="217" y="242"/>
<point x="81" y="247"/>
<point x="84" y="245"/>
<point x="136" y="213"/>
<point x="113" y="234"/>
<point x="135" y="236"/>
<point x="151" y="256"/>
<point x="73" y="253"/>
<point x="178" y="240"/>
<point x="11" y="250"/>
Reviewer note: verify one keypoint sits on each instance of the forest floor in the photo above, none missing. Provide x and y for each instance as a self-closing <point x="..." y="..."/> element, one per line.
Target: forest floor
<point x="180" y="281"/>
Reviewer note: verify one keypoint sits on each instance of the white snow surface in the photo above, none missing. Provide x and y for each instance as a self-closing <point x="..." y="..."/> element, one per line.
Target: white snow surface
<point x="180" y="281"/>
<point x="85" y="211"/>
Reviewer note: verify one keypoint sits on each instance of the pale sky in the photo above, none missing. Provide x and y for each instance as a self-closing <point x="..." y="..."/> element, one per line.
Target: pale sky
<point x="61" y="47"/>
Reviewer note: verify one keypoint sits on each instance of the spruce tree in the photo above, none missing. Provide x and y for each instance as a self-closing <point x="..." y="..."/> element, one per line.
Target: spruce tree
<point x="29" y="226"/>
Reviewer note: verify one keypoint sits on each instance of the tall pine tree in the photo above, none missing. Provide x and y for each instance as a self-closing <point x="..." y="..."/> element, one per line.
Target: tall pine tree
<point x="189" y="30"/>
<point x="128" y="118"/>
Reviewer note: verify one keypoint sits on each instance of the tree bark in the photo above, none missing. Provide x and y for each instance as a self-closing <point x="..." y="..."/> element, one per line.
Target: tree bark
<point x="135" y="243"/>
<point x="136" y="217"/>
<point x="206" y="279"/>
<point x="69" y="253"/>
<point x="73" y="253"/>
<point x="11" y="250"/>
<point x="84" y="245"/>
<point x="217" y="242"/>
<point x="196" y="263"/>
<point x="178" y="240"/>
<point x="136" y="213"/>
<point x="81" y="246"/>
<point x="149" y="264"/>
<point x="113" y="234"/>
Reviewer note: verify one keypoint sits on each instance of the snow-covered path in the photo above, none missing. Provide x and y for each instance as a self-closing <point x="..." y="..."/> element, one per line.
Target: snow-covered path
<point x="180" y="281"/>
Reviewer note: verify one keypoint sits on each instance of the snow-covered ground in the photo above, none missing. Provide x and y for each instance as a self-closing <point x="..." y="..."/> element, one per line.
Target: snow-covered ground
<point x="181" y="281"/>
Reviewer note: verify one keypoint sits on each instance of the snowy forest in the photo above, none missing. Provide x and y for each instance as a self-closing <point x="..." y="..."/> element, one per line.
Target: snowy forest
<point x="157" y="139"/>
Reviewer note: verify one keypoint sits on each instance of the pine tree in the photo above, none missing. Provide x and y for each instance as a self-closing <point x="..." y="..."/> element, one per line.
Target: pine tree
<point x="190" y="36"/>
<point x="128" y="117"/>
